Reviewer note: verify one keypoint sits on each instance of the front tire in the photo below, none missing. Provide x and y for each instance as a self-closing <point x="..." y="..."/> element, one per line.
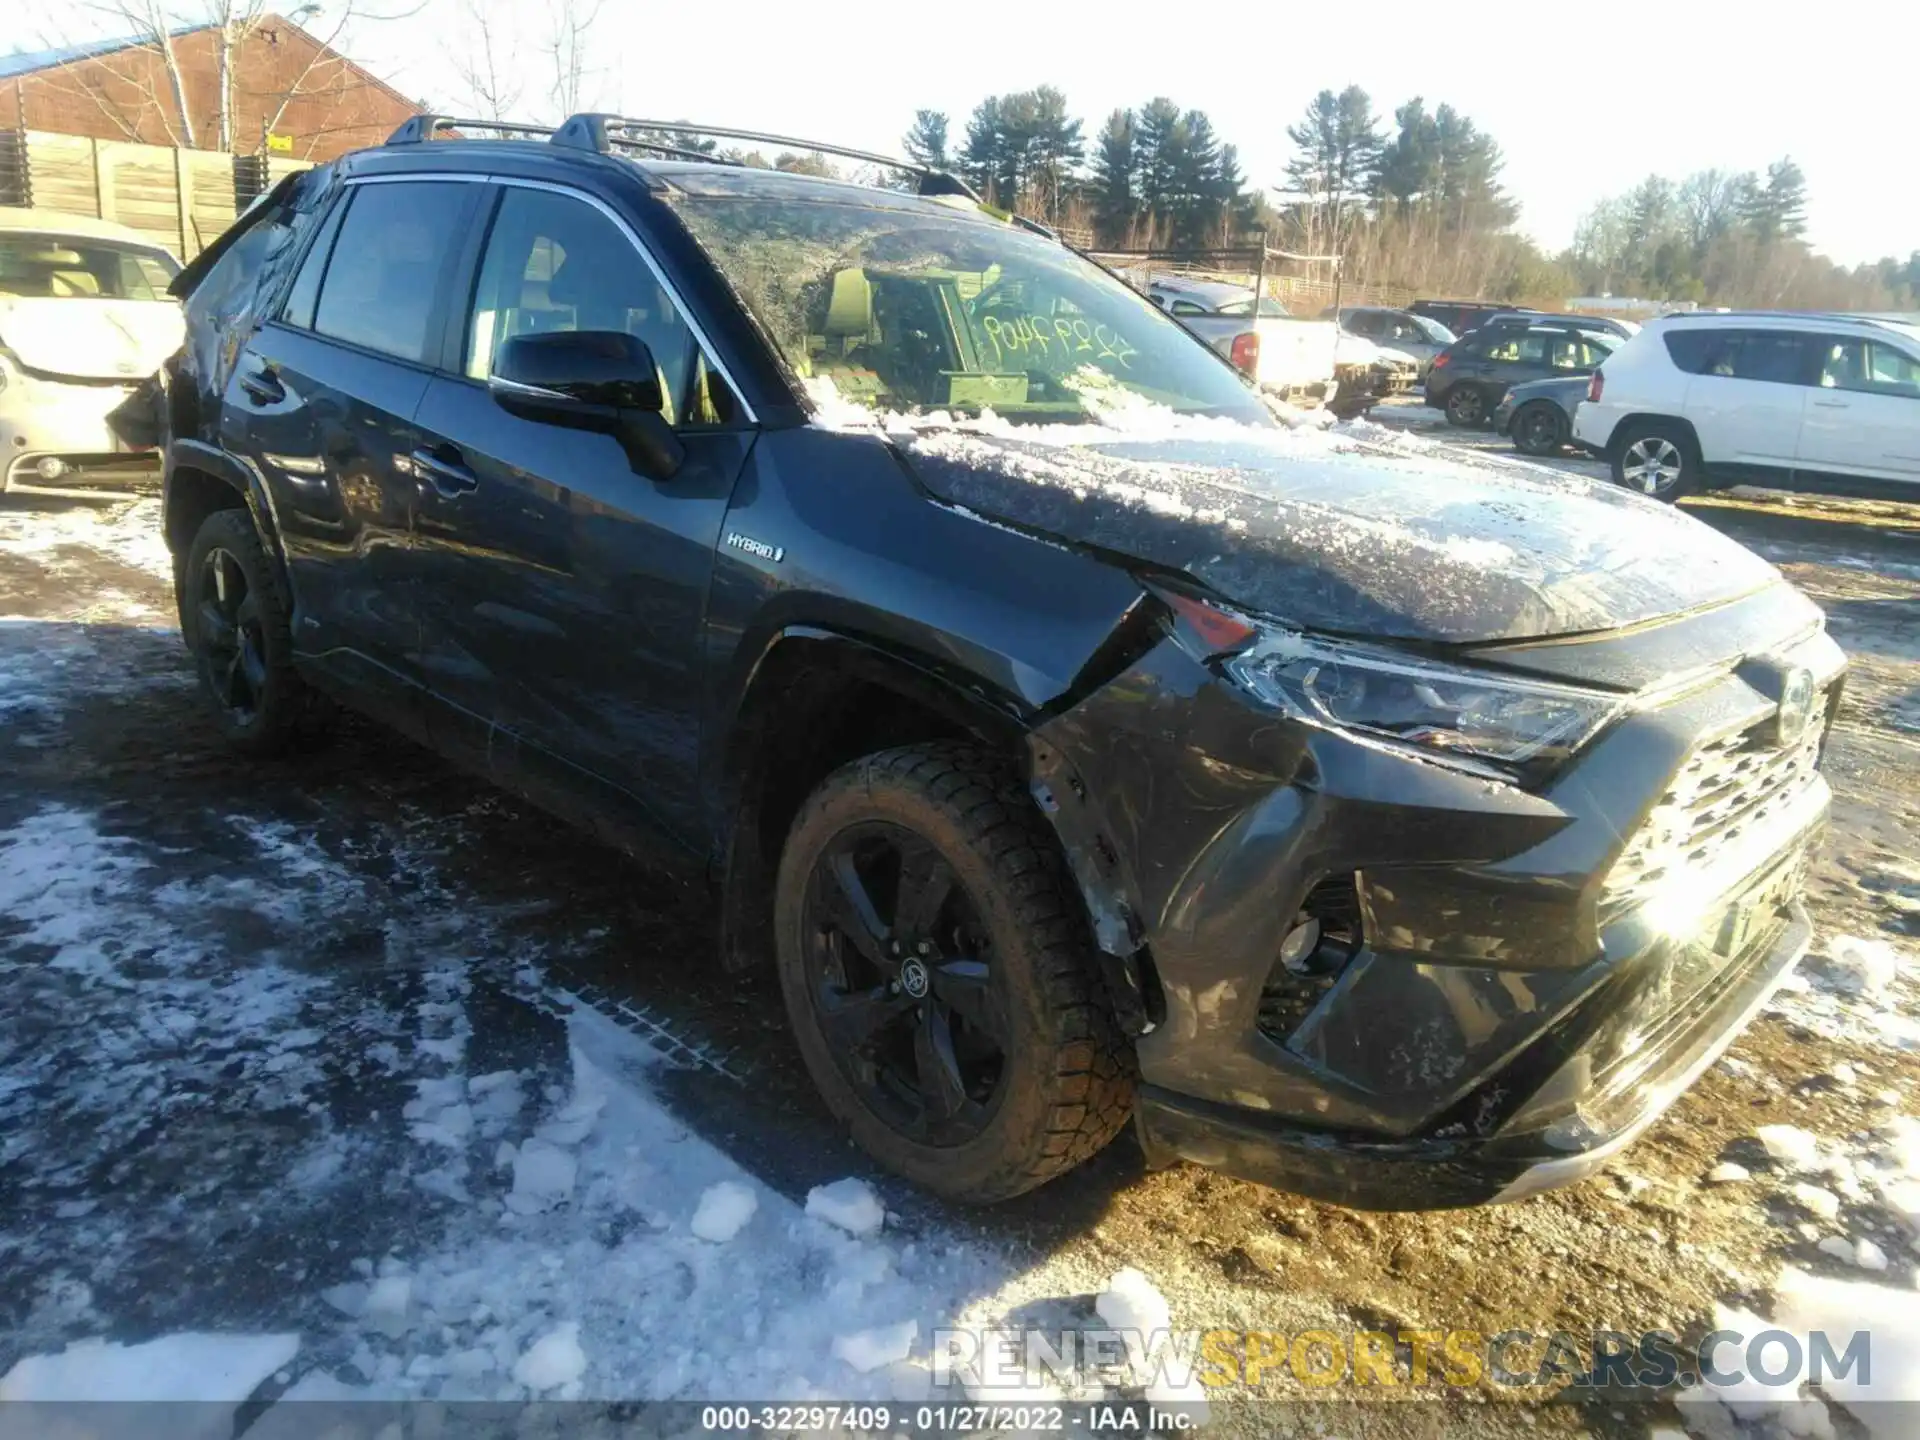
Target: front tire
<point x="234" y="617"/>
<point x="1539" y="429"/>
<point x="940" y="978"/>
<point x="1658" y="459"/>
<point x="1466" y="407"/>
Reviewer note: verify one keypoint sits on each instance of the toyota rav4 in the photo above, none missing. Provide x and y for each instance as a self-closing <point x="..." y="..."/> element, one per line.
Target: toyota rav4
<point x="1076" y="739"/>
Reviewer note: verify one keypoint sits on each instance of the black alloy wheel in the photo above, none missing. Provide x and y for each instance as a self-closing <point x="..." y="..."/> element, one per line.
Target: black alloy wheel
<point x="234" y="617"/>
<point x="940" y="975"/>
<point x="1466" y="406"/>
<point x="1539" y="429"/>
<point x="233" y="644"/>
<point x="901" y="978"/>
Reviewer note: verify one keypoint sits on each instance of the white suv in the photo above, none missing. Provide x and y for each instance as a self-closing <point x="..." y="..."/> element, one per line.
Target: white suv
<point x="1804" y="400"/>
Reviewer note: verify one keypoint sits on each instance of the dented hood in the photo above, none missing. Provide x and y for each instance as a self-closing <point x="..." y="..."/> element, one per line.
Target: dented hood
<point x="1352" y="530"/>
<point x="85" y="338"/>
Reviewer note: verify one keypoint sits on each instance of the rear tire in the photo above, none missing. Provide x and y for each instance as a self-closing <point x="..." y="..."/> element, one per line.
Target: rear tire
<point x="1466" y="407"/>
<point x="1539" y="428"/>
<point x="234" y="616"/>
<point x="1000" y="1036"/>
<point x="1658" y="458"/>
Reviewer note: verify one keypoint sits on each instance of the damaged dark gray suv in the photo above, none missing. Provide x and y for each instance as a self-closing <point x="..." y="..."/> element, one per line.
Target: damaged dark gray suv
<point x="1079" y="740"/>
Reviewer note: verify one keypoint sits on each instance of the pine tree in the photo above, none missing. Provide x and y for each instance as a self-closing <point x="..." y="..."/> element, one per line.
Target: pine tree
<point x="1116" y="197"/>
<point x="1052" y="153"/>
<point x="1778" y="209"/>
<point x="1650" y="221"/>
<point x="926" y="140"/>
<point x="1197" y="207"/>
<point x="984" y="159"/>
<point x="1157" y="144"/>
<point x="1339" y="153"/>
<point x="1409" y="168"/>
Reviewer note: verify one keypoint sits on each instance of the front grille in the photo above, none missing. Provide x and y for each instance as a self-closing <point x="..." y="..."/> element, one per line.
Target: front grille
<point x="1728" y="789"/>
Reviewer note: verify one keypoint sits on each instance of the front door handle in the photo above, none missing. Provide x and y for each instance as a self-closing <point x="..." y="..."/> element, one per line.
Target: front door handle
<point x="1831" y="404"/>
<point x="262" y="386"/>
<point x="444" y="469"/>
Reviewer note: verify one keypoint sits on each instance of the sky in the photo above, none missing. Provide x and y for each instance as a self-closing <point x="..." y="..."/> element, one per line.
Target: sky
<point x="1585" y="99"/>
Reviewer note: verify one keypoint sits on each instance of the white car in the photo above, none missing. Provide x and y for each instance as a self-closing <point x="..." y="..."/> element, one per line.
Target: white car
<point x="1799" y="400"/>
<point x="1311" y="360"/>
<point x="85" y="320"/>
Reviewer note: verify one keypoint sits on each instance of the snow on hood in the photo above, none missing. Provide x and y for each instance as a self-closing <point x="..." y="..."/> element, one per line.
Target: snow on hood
<point x="89" y="338"/>
<point x="1343" y="528"/>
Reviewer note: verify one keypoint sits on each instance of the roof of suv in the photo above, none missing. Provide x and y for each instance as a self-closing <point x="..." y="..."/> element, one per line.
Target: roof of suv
<point x="1908" y="330"/>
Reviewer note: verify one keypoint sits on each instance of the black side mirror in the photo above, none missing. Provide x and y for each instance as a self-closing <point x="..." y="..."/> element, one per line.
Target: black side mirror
<point x="599" y="380"/>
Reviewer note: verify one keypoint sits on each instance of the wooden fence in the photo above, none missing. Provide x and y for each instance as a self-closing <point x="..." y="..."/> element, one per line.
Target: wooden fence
<point x="179" y="198"/>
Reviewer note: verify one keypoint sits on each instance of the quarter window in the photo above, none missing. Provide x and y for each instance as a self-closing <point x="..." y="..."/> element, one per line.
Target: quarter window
<point x="555" y="263"/>
<point x="306" y="285"/>
<point x="394" y="246"/>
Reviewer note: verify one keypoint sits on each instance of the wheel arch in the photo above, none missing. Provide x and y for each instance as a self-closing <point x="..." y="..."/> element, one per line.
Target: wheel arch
<point x="1639" y="420"/>
<point x="200" y="479"/>
<point x="813" y="699"/>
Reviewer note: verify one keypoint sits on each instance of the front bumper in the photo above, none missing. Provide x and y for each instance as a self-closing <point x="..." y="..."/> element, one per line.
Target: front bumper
<point x="67" y="427"/>
<point x="1445" y="1172"/>
<point x="1531" y="984"/>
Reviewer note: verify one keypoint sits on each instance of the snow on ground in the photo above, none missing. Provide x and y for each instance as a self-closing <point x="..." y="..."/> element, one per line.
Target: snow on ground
<point x="590" y="1243"/>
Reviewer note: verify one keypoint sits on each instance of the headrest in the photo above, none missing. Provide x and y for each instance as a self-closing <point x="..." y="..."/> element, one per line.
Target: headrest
<point x="850" y="307"/>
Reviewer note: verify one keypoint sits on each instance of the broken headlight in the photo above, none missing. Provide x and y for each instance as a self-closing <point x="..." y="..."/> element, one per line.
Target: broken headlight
<point x="1440" y="711"/>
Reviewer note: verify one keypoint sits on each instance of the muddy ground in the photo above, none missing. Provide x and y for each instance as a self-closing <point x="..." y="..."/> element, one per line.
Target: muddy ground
<point x="1648" y="1245"/>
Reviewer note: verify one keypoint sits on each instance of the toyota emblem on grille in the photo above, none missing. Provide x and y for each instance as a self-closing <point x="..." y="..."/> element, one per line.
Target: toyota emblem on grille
<point x="1796" y="707"/>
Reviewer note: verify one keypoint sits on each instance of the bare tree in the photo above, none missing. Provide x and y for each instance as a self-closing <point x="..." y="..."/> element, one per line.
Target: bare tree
<point x="570" y="32"/>
<point x="136" y="97"/>
<point x="492" y="88"/>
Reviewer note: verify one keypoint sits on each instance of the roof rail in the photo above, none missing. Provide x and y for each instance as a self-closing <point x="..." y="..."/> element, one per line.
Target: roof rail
<point x="420" y="128"/>
<point x="607" y="133"/>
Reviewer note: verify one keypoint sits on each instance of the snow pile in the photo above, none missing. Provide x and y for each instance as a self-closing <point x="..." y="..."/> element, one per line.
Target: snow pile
<point x="219" y="1370"/>
<point x="868" y="1350"/>
<point x="127" y="532"/>
<point x="850" y="1204"/>
<point x="1724" y="1412"/>
<point x="1852" y="988"/>
<point x="552" y="1362"/>
<point x="723" y="1212"/>
<point x="1790" y="1146"/>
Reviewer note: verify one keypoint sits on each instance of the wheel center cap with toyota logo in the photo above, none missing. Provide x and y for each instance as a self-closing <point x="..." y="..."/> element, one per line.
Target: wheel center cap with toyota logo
<point x="914" y="979"/>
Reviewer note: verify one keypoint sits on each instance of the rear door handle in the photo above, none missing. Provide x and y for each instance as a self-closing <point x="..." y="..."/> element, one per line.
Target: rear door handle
<point x="445" y="471"/>
<point x="1831" y="404"/>
<point x="262" y="386"/>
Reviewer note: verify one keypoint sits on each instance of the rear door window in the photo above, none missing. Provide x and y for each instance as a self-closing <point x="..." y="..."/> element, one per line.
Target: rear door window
<point x="396" y="245"/>
<point x="1869" y="367"/>
<point x="1521" y="347"/>
<point x="1775" y="356"/>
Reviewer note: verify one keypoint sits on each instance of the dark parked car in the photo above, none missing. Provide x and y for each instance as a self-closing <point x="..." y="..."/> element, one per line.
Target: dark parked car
<point x="1599" y="324"/>
<point x="1538" y="415"/>
<point x="1459" y="316"/>
<point x="1470" y="378"/>
<point x="1332" y="814"/>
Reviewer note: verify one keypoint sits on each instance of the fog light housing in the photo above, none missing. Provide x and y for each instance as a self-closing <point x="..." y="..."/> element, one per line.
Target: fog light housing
<point x="1325" y="936"/>
<point x="50" y="467"/>
<point x="1296" y="951"/>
